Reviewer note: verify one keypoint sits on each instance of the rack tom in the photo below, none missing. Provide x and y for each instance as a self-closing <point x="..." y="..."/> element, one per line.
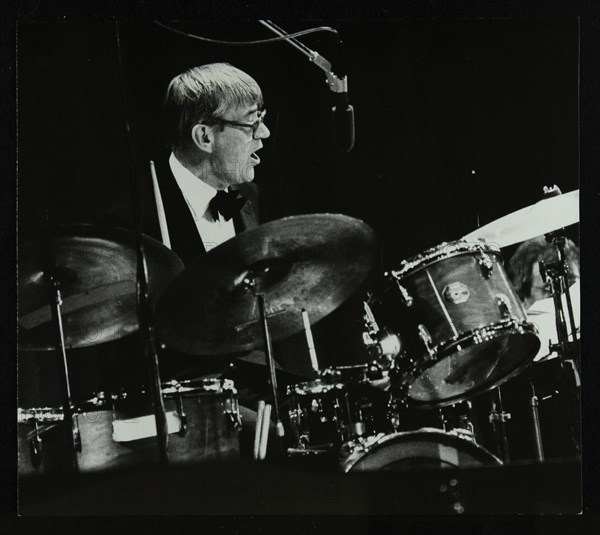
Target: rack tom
<point x="462" y="327"/>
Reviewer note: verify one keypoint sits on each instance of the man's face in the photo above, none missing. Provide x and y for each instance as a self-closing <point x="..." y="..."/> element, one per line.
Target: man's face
<point x="234" y="156"/>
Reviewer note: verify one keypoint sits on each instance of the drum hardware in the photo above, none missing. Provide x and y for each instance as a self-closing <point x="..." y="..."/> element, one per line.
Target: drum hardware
<point x="535" y="418"/>
<point x="486" y="265"/>
<point x="504" y="306"/>
<point x="255" y="282"/>
<point x="71" y="428"/>
<point x="498" y="419"/>
<point x="427" y="341"/>
<point x="556" y="276"/>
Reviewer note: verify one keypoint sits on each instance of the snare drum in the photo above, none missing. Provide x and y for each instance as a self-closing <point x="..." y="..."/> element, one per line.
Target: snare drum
<point x="425" y="448"/>
<point x="462" y="327"/>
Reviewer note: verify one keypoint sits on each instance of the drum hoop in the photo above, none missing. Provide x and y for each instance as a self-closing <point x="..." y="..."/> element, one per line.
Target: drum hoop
<point x="318" y="387"/>
<point x="442" y="252"/>
<point x="332" y="370"/>
<point x="199" y="387"/>
<point x="40" y="414"/>
<point x="468" y="339"/>
<point x="424" y="433"/>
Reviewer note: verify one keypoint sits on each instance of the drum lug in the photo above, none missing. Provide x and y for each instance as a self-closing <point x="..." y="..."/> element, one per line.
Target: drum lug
<point x="426" y="339"/>
<point x="405" y="297"/>
<point x="183" y="423"/>
<point x="486" y="265"/>
<point x="234" y="419"/>
<point x="504" y="306"/>
<point x="76" y="435"/>
<point x="233" y="414"/>
<point x="36" y="448"/>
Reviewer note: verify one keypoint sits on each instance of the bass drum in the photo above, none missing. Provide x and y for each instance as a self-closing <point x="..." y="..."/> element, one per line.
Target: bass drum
<point x="425" y="448"/>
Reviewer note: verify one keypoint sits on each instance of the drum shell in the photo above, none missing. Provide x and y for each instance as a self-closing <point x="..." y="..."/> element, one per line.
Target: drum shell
<point x="435" y="304"/>
<point x="453" y="302"/>
<point x="325" y="415"/>
<point x="212" y="434"/>
<point x="425" y="448"/>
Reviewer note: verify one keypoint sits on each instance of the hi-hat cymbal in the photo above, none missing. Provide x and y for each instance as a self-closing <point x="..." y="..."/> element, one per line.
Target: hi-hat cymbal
<point x="312" y="262"/>
<point x="540" y="218"/>
<point x="96" y="271"/>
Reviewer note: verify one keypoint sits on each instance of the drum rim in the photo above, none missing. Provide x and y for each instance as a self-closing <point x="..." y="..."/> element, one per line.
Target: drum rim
<point x="468" y="339"/>
<point x="194" y="387"/>
<point x="381" y="440"/>
<point x="321" y="387"/>
<point x="443" y="251"/>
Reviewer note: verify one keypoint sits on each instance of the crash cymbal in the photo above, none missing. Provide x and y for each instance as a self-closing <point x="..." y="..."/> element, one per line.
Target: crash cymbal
<point x="96" y="270"/>
<point x="312" y="262"/>
<point x="540" y="218"/>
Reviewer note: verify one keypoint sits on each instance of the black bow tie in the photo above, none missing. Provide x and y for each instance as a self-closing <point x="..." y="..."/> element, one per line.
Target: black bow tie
<point x="226" y="203"/>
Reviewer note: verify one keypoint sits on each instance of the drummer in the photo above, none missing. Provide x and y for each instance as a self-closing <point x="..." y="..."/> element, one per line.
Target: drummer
<point x="214" y="123"/>
<point x="214" y="120"/>
<point x="524" y="272"/>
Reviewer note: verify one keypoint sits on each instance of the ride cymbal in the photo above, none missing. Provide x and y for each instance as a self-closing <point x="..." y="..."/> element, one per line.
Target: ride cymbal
<point x="312" y="262"/>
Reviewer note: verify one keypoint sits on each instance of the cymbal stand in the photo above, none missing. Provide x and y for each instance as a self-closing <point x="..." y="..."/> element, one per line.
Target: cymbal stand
<point x="70" y="419"/>
<point x="254" y="281"/>
<point x="145" y="314"/>
<point x="556" y="275"/>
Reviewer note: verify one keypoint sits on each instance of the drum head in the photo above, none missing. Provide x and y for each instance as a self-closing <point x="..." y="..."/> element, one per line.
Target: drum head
<point x="426" y="448"/>
<point x="471" y="366"/>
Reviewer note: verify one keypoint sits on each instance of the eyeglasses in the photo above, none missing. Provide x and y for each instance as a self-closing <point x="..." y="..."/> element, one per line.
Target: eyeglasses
<point x="254" y="126"/>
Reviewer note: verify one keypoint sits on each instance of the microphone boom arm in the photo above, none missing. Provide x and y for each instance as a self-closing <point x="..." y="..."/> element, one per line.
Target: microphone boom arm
<point x="335" y="83"/>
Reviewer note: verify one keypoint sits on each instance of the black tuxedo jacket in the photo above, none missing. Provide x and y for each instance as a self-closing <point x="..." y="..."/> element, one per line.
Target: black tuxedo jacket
<point x="185" y="240"/>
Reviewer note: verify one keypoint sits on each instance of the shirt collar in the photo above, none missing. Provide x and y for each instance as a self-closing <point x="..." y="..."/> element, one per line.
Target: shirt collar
<point x="197" y="193"/>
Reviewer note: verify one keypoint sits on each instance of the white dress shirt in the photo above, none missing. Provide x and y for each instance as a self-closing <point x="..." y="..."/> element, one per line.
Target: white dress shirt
<point x="197" y="195"/>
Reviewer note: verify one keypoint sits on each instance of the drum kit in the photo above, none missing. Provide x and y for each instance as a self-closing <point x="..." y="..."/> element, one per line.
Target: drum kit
<point x="443" y="328"/>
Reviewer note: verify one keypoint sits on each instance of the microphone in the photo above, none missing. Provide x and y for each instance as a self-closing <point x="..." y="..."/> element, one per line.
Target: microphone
<point x="342" y="112"/>
<point x="343" y="122"/>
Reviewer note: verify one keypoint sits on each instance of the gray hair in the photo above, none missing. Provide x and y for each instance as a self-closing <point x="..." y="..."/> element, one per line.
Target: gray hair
<point x="202" y="94"/>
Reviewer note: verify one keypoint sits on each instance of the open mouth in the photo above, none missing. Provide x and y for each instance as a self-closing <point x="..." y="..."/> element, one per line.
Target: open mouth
<point x="254" y="158"/>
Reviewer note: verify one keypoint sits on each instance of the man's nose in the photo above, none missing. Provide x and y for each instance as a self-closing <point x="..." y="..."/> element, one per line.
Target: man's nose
<point x="263" y="131"/>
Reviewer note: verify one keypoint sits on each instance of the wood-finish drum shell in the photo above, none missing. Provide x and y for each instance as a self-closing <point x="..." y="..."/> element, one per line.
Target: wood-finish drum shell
<point x="462" y="327"/>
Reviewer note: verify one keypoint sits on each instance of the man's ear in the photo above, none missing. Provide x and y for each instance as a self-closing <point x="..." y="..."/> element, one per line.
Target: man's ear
<point x="202" y="137"/>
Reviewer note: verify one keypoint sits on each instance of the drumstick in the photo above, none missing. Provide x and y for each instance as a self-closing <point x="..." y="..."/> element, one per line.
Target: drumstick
<point x="264" y="435"/>
<point x="258" y="428"/>
<point x="160" y="209"/>
<point x="309" y="341"/>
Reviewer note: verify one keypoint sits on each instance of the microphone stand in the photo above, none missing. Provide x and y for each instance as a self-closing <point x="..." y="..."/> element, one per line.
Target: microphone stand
<point x="145" y="315"/>
<point x="335" y="83"/>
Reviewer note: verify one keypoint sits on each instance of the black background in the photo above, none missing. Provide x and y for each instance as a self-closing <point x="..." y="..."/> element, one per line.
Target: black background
<point x="456" y="122"/>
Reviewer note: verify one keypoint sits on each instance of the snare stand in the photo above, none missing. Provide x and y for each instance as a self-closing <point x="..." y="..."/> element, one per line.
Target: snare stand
<point x="255" y="282"/>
